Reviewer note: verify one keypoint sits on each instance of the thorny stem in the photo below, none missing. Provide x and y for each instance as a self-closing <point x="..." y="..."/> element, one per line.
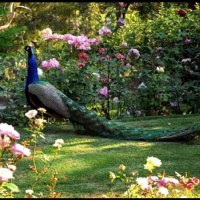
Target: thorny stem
<point x="35" y="167"/>
<point x="34" y="163"/>
<point x="108" y="84"/>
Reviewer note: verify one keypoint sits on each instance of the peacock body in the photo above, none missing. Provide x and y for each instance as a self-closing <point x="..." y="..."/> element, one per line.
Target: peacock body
<point x="58" y="105"/>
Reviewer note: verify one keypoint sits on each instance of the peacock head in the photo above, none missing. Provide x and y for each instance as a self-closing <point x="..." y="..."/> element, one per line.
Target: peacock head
<point x="29" y="49"/>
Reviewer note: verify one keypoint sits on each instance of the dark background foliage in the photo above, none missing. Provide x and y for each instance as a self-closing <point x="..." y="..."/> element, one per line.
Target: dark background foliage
<point x="159" y="30"/>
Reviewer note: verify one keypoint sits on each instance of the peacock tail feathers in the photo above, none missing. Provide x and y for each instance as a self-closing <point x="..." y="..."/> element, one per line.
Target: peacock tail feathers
<point x="94" y="124"/>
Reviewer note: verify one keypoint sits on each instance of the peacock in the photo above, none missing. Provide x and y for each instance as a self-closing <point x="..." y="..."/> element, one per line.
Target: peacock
<point x="58" y="105"/>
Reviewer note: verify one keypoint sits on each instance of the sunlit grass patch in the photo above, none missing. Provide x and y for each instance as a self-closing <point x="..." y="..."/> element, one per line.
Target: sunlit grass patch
<point x="84" y="162"/>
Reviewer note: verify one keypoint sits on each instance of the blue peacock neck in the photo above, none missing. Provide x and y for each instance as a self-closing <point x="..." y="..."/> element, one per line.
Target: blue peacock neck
<point x="32" y="75"/>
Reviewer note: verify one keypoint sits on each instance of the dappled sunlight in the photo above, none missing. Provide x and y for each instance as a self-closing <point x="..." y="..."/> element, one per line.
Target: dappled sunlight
<point x="78" y="142"/>
<point x="127" y="145"/>
<point x="79" y="148"/>
<point x="145" y="144"/>
<point x="157" y="128"/>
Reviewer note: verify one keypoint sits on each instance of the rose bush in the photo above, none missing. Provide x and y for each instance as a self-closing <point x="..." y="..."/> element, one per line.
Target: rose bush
<point x="11" y="152"/>
<point x="154" y="186"/>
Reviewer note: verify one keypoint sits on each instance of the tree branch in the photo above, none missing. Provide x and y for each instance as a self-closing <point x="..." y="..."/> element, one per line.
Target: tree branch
<point x="10" y="18"/>
<point x="11" y="15"/>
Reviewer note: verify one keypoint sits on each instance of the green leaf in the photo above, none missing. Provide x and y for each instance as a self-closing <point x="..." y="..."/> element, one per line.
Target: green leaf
<point x="12" y="187"/>
<point x="42" y="135"/>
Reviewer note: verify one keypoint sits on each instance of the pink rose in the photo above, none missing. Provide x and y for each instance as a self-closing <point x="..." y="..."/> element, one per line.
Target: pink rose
<point x="45" y="64"/>
<point x="9" y="130"/>
<point x="187" y="40"/>
<point x="163" y="182"/>
<point x="119" y="56"/>
<point x="5" y="174"/>
<point x="101" y="50"/>
<point x="121" y="4"/>
<point x="81" y="64"/>
<point x="19" y="149"/>
<point x="4" y="141"/>
<point x="104" y="91"/>
<point x="105" y="31"/>
<point x="83" y="56"/>
<point x="51" y="63"/>
<point x="81" y="42"/>
<point x="94" y="40"/>
<point x="46" y="33"/>
<point x="54" y="63"/>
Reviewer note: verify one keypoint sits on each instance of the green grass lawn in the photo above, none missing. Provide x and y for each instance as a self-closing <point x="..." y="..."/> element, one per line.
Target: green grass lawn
<point x="84" y="162"/>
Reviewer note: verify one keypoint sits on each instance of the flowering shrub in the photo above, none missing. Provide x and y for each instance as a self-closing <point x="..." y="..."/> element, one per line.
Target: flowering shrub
<point x="88" y="72"/>
<point x="36" y="125"/>
<point x="12" y="152"/>
<point x="139" y="50"/>
<point x="51" y="63"/>
<point x="81" y="42"/>
<point x="155" y="186"/>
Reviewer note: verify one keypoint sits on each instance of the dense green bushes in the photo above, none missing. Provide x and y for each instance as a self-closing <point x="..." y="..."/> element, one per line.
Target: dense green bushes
<point x="167" y="65"/>
<point x="165" y="40"/>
